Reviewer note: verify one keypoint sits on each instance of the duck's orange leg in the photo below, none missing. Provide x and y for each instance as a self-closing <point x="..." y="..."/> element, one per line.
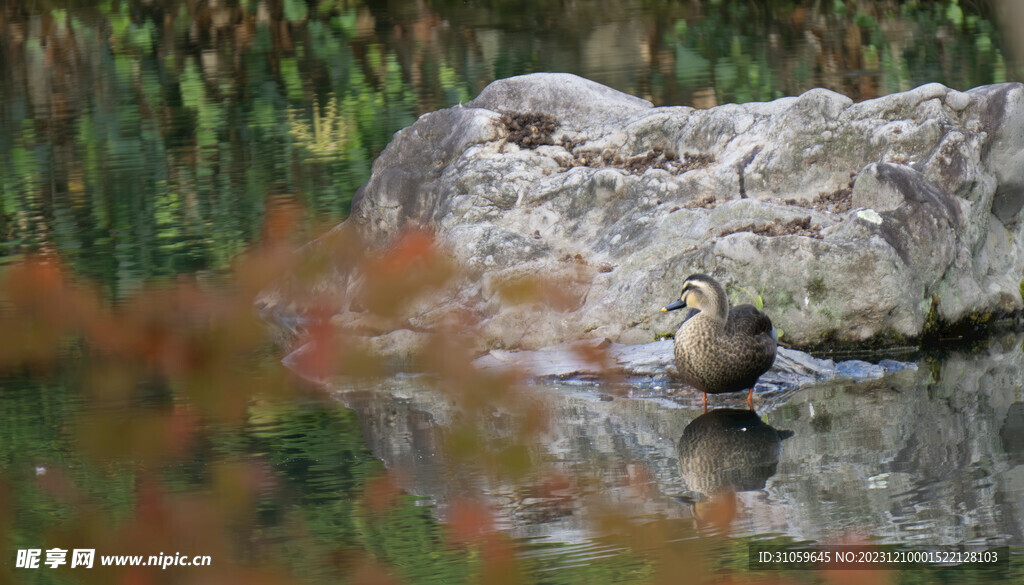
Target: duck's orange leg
<point x="704" y="400"/>
<point x="750" y="396"/>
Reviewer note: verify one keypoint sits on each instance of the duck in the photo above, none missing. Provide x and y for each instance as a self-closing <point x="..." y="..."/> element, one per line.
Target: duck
<point x="719" y="349"/>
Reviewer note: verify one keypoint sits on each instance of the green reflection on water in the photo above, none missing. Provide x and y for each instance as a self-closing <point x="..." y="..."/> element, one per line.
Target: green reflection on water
<point x="144" y="139"/>
<point x="311" y="517"/>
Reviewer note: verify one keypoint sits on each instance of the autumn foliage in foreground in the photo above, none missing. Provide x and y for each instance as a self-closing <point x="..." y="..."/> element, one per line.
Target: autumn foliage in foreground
<point x="202" y="350"/>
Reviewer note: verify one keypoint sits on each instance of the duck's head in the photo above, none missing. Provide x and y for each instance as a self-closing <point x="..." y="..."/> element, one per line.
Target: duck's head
<point x="703" y="293"/>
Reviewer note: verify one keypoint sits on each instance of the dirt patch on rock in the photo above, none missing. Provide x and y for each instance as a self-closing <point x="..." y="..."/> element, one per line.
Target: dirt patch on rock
<point x="704" y="202"/>
<point x="578" y="259"/>
<point x="656" y="158"/>
<point x="529" y="130"/>
<point x="838" y="201"/>
<point x="798" y="226"/>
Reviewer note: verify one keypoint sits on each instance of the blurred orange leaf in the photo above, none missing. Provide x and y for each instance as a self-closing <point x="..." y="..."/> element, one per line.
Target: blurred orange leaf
<point x="382" y="493"/>
<point x="469" y="520"/>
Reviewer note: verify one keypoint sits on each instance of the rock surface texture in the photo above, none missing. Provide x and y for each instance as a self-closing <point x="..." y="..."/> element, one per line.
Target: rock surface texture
<point x="855" y="222"/>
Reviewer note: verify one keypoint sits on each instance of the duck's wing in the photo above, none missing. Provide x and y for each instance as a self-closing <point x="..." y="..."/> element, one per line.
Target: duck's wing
<point x="746" y="320"/>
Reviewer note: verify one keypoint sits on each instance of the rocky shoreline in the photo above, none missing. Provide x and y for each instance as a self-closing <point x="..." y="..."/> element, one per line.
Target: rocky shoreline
<point x="873" y="223"/>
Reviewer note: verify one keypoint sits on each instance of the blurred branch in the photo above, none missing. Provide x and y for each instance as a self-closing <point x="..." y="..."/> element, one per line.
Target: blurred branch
<point x="1011" y="22"/>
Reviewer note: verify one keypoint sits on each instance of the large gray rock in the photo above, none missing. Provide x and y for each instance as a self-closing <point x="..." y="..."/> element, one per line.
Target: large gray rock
<point x="854" y="222"/>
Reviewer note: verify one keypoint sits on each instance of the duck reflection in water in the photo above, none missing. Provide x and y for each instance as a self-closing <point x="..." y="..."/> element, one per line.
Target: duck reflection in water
<point x="723" y="452"/>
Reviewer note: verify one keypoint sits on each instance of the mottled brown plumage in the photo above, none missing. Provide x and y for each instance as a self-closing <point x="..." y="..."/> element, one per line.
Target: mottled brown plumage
<point x="719" y="350"/>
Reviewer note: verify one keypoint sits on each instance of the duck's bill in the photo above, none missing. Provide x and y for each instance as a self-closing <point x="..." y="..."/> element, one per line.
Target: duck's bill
<point x="679" y="304"/>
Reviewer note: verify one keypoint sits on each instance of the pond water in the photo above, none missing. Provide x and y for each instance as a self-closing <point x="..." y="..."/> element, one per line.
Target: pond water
<point x="929" y="456"/>
<point x="143" y="143"/>
<point x="921" y="459"/>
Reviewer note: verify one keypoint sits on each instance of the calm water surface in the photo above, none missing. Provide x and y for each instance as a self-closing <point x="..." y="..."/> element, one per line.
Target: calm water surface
<point x="140" y="141"/>
<point x="931" y="456"/>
